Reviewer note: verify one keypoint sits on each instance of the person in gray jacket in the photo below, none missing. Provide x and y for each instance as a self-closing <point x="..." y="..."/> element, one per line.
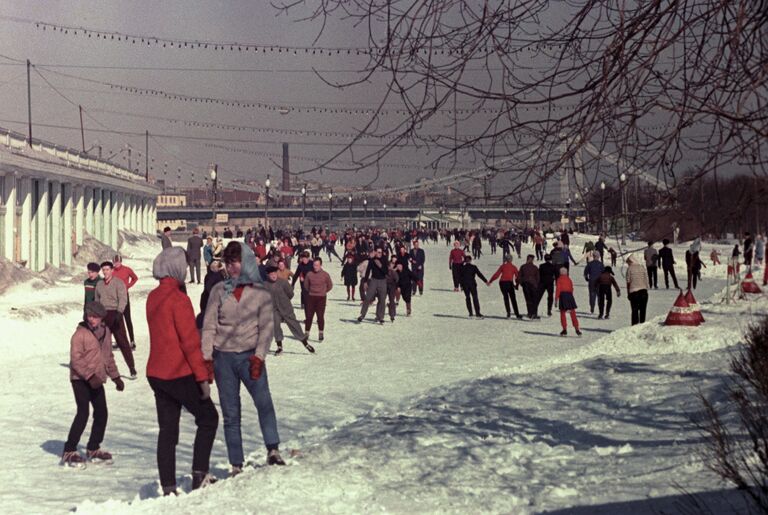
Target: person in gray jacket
<point x="237" y="331"/>
<point x="113" y="295"/>
<point x="194" y="244"/>
<point x="282" y="293"/>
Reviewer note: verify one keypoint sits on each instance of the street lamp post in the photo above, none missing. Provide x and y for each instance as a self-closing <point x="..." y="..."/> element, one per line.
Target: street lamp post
<point x="365" y="207"/>
<point x="602" y="206"/>
<point x="623" y="179"/>
<point x="568" y="211"/>
<point x="330" y="206"/>
<point x="385" y="216"/>
<point x="267" y="183"/>
<point x="303" y="204"/>
<point x="350" y="209"/>
<point x="214" y="185"/>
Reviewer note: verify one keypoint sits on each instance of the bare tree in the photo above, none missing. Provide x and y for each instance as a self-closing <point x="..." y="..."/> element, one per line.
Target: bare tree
<point x="661" y="86"/>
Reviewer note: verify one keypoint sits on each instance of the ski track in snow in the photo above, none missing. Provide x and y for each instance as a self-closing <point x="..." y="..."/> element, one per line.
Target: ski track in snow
<point x="431" y="413"/>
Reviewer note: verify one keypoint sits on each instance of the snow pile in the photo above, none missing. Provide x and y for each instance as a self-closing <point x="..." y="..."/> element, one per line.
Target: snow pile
<point x="11" y="274"/>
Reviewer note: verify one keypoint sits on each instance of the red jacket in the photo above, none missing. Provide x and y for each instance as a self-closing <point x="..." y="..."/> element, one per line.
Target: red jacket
<point x="507" y="272"/>
<point x="456" y="257"/>
<point x="126" y="275"/>
<point x="174" y="343"/>
<point x="563" y="284"/>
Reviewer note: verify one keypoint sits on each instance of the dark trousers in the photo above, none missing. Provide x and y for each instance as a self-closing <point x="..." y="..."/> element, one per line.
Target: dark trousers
<point x="194" y="268"/>
<point x="508" y="294"/>
<point x="604" y="299"/>
<point x="470" y="297"/>
<point x="638" y="300"/>
<point x="550" y="290"/>
<point x="114" y="321"/>
<point x="85" y="396"/>
<point x="303" y="295"/>
<point x="170" y="396"/>
<point x="456" y="272"/>
<point x="392" y="302"/>
<point x="128" y="321"/>
<point x="539" y="252"/>
<point x="653" y="276"/>
<point x="531" y="298"/>
<point x="693" y="278"/>
<point x="670" y="270"/>
<point x="315" y="306"/>
<point x="592" y="285"/>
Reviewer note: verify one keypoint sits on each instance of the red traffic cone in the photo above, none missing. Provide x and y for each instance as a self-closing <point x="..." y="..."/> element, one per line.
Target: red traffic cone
<point x="681" y="313"/>
<point x="748" y="285"/>
<point x="691" y="300"/>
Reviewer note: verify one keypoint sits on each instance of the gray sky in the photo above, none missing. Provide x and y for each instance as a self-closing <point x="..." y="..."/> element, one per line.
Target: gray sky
<point x="240" y="20"/>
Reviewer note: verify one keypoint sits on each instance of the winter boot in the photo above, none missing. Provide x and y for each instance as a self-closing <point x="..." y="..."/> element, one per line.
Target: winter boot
<point x="320" y="336"/>
<point x="359" y="319"/>
<point x="408" y="309"/>
<point x="201" y="479"/>
<point x="73" y="459"/>
<point x="170" y="490"/>
<point x="133" y="373"/>
<point x="279" y="348"/>
<point x="99" y="456"/>
<point x="563" y="333"/>
<point x="274" y="458"/>
<point x="236" y="469"/>
<point x="308" y="346"/>
<point x="578" y="333"/>
<point x="391" y="319"/>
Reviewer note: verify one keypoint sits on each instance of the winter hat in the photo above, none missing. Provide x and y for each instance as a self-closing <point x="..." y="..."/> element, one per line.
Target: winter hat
<point x="630" y="259"/>
<point x="171" y="262"/>
<point x="96" y="309"/>
<point x="93" y="267"/>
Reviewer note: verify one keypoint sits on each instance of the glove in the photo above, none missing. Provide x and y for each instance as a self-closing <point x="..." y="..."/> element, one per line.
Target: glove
<point x="256" y="364"/>
<point x="94" y="382"/>
<point x="209" y="368"/>
<point x="205" y="390"/>
<point x="119" y="384"/>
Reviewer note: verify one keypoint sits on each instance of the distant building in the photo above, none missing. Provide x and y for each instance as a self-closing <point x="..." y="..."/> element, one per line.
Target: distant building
<point x="171" y="200"/>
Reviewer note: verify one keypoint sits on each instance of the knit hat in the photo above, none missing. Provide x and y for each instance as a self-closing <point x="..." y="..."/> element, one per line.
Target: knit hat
<point x="96" y="309"/>
<point x="171" y="262"/>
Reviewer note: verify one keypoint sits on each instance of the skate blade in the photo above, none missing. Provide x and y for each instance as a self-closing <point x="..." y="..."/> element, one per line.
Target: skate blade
<point x="73" y="466"/>
<point x="101" y="462"/>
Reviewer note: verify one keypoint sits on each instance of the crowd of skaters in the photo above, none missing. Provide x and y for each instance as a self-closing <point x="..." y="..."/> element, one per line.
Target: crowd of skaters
<point x="248" y="287"/>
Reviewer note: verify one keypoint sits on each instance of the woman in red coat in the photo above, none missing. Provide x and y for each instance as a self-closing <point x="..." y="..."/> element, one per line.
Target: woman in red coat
<point x="566" y="301"/>
<point x="177" y="372"/>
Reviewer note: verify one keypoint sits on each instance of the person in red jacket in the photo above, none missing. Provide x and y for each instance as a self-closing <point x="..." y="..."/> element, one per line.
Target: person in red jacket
<point x="508" y="283"/>
<point x="177" y="372"/>
<point x="566" y="301"/>
<point x="129" y="278"/>
<point x="455" y="262"/>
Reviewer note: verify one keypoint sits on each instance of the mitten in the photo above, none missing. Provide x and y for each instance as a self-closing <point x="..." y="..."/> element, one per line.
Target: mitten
<point x="209" y="368"/>
<point x="205" y="390"/>
<point x="119" y="384"/>
<point x="256" y="364"/>
<point x="94" y="382"/>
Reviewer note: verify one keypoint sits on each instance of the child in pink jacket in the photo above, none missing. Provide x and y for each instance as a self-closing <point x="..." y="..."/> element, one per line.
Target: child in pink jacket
<point x="91" y="363"/>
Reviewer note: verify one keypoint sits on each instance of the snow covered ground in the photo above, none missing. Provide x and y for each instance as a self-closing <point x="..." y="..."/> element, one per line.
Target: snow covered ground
<point x="434" y="413"/>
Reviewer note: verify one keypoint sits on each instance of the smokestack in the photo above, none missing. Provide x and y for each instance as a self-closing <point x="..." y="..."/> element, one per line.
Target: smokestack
<point x="286" y="169"/>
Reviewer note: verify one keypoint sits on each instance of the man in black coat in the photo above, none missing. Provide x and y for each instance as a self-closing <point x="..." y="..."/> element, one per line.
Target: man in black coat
<point x="547" y="279"/>
<point x="468" y="272"/>
<point x="667" y="263"/>
<point x="417" y="266"/>
<point x="194" y="245"/>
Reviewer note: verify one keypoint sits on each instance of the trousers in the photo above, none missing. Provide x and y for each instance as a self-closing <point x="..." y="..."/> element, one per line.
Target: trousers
<point x="470" y="297"/>
<point x="114" y="321"/>
<point x="315" y="306"/>
<point x="86" y="396"/>
<point x="638" y="301"/>
<point x="377" y="288"/>
<point x="508" y="294"/>
<point x="170" y="396"/>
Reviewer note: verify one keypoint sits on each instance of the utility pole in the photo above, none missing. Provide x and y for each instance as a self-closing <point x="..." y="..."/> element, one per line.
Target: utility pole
<point x="146" y="155"/>
<point x="82" y="131"/>
<point x="29" y="101"/>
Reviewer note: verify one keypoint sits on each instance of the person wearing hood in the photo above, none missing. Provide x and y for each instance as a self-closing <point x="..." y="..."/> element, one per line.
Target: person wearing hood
<point x="237" y="332"/>
<point x="177" y="372"/>
<point x="604" y="297"/>
<point x="91" y="362"/>
<point x="282" y="293"/>
<point x="637" y="289"/>
<point x="591" y="273"/>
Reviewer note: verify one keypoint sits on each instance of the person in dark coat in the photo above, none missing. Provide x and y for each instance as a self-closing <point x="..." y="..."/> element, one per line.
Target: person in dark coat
<point x="468" y="283"/>
<point x="547" y="279"/>
<point x="302" y="269"/>
<point x="165" y="239"/>
<point x="418" y="259"/>
<point x="528" y="278"/>
<point x="604" y="299"/>
<point x="667" y="264"/>
<point x="216" y="274"/>
<point x="405" y="282"/>
<point x="349" y="275"/>
<point x="591" y="272"/>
